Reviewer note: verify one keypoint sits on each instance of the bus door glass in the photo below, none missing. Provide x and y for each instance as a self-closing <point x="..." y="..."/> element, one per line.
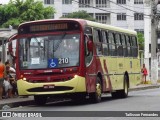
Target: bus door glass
<point x="98" y="41"/>
<point x="88" y="54"/>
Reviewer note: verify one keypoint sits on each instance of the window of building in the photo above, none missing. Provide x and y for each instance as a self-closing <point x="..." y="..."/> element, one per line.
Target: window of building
<point x="65" y="14"/>
<point x="149" y="48"/>
<point x="138" y="1"/>
<point x="48" y="1"/>
<point x="121" y="1"/>
<point x="101" y="3"/>
<point x="140" y="30"/>
<point x="121" y="16"/>
<point x="66" y="1"/>
<point x="84" y="3"/>
<point x="101" y="17"/>
<point x="138" y="16"/>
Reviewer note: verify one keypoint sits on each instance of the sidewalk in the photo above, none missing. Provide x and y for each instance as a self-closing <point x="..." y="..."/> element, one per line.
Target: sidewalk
<point x="19" y="101"/>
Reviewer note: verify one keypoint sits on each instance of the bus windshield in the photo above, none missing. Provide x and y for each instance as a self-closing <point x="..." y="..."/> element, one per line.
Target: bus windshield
<point x="53" y="51"/>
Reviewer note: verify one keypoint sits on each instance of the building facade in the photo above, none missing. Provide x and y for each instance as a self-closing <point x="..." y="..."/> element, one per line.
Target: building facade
<point x="120" y="13"/>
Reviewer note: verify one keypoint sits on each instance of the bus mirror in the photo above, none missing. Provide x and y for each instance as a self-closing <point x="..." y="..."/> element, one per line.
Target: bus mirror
<point x="90" y="45"/>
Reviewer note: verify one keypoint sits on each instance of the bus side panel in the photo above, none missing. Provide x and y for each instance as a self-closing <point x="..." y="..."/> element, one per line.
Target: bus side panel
<point x="120" y="72"/>
<point x="106" y="78"/>
<point x="136" y="71"/>
<point x="116" y="71"/>
<point x="91" y="76"/>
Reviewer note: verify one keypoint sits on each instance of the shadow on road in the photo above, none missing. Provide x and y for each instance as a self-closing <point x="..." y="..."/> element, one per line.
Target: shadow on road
<point x="69" y="102"/>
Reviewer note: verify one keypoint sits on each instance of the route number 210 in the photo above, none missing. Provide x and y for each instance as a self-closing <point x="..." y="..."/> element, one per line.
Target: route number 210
<point x="63" y="61"/>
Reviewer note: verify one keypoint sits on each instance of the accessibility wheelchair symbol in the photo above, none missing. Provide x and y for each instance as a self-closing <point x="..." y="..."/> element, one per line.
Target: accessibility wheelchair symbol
<point x="52" y="63"/>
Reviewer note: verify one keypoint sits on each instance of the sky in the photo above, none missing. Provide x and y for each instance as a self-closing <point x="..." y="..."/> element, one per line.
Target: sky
<point x="4" y="1"/>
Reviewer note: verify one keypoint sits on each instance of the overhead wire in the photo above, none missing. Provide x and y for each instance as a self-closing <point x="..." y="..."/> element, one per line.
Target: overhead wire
<point x="112" y="11"/>
<point x="127" y="8"/>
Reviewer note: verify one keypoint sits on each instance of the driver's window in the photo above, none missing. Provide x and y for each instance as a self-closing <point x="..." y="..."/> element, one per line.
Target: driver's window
<point x="88" y="55"/>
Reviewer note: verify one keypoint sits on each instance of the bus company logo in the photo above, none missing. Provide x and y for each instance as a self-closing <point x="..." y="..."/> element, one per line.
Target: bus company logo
<point x="6" y="114"/>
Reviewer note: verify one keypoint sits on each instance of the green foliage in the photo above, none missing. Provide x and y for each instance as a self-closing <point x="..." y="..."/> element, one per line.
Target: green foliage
<point x="13" y="21"/>
<point x="141" y="41"/>
<point x="80" y="14"/>
<point x="18" y="11"/>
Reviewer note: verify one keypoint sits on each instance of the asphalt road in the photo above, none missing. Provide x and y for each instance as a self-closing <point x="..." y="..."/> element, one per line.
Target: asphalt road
<point x="141" y="101"/>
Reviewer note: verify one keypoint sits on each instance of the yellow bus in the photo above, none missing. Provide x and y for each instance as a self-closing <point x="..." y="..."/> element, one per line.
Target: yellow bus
<point x="74" y="58"/>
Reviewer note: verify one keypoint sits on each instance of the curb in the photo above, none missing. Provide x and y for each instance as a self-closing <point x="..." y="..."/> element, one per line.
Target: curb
<point x="17" y="104"/>
<point x="144" y="88"/>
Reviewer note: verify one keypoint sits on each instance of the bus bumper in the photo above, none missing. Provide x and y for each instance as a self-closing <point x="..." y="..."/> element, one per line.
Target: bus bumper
<point x="75" y="85"/>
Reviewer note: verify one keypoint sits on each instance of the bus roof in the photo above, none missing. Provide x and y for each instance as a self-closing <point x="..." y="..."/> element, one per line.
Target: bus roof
<point x="89" y="23"/>
<point x="110" y="27"/>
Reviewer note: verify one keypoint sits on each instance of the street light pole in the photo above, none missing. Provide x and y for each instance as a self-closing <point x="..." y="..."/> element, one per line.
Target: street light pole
<point x="154" y="29"/>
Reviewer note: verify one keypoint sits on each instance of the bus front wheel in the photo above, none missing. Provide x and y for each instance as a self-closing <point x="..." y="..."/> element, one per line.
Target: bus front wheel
<point x="96" y="96"/>
<point x="40" y="100"/>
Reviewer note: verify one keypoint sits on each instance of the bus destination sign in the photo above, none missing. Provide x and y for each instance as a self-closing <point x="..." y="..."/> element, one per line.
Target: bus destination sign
<point x="48" y="27"/>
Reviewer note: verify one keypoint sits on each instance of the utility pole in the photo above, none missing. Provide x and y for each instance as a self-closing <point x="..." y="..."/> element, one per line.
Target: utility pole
<point x="154" y="30"/>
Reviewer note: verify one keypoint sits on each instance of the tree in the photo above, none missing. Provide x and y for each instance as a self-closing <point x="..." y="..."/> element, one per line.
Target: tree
<point x="80" y="14"/>
<point x="18" y="11"/>
<point x="141" y="41"/>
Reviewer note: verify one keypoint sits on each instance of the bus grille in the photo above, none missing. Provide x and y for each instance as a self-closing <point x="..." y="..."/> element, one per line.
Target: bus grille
<point x="56" y="88"/>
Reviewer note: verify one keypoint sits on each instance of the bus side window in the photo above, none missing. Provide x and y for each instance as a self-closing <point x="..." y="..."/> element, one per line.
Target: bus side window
<point x="128" y="46"/>
<point x="105" y="43"/>
<point x="134" y="46"/>
<point x="88" y="55"/>
<point x="125" y="53"/>
<point x="111" y="41"/>
<point x="98" y="41"/>
<point x="119" y="45"/>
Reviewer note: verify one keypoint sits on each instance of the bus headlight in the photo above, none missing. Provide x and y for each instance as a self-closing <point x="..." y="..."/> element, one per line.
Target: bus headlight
<point x="75" y="76"/>
<point x="24" y="79"/>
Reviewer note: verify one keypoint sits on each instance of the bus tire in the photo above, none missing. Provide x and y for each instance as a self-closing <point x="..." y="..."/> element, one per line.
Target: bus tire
<point x="115" y="94"/>
<point x="40" y="99"/>
<point x="96" y="96"/>
<point x="124" y="92"/>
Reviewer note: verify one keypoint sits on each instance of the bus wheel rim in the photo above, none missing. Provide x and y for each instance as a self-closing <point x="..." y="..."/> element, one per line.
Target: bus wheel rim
<point x="126" y="87"/>
<point x="98" y="90"/>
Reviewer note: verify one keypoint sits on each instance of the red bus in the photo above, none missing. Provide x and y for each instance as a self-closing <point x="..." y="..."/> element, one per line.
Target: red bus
<point x="74" y="58"/>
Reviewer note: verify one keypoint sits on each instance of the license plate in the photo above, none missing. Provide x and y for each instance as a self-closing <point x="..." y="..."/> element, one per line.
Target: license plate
<point x="48" y="86"/>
